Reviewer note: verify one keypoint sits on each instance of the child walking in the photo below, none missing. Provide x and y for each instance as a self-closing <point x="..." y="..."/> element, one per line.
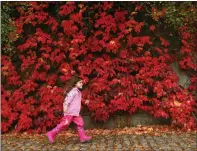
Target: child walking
<point x="71" y="108"/>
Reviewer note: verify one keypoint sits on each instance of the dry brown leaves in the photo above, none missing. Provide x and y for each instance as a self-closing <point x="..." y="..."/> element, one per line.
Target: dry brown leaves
<point x="153" y="130"/>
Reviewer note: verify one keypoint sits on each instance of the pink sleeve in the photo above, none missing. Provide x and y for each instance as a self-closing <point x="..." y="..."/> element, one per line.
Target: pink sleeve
<point x="69" y="97"/>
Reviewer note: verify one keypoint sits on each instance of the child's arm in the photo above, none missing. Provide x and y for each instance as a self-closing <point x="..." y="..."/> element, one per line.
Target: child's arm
<point x="86" y="101"/>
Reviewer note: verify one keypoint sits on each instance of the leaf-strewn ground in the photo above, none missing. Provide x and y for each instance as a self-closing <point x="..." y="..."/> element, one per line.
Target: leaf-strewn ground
<point x="140" y="138"/>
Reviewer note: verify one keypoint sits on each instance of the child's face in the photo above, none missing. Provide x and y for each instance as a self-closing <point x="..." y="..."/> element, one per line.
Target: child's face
<point x="79" y="84"/>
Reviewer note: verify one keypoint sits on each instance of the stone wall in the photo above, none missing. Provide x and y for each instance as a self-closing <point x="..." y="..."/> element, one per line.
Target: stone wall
<point x="121" y="121"/>
<point x="183" y="78"/>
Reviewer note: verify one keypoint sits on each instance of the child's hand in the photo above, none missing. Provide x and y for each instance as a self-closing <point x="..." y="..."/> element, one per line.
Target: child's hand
<point x="65" y="109"/>
<point x="87" y="102"/>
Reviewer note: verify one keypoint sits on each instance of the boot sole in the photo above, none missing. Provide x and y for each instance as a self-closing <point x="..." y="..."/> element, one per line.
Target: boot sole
<point x="86" y="141"/>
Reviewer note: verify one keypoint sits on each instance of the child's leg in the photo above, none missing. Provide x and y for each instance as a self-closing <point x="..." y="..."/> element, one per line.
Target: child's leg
<point x="78" y="120"/>
<point x="65" y="122"/>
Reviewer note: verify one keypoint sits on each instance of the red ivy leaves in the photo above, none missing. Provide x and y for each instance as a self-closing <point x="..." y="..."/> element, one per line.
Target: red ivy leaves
<point x="9" y="72"/>
<point x="102" y="112"/>
<point x="120" y="16"/>
<point x="109" y="51"/>
<point x="138" y="27"/>
<point x="119" y="104"/>
<point x="69" y="27"/>
<point x="152" y="28"/>
<point x="164" y="42"/>
<point x="25" y="122"/>
<point x="54" y="24"/>
<point x="68" y="8"/>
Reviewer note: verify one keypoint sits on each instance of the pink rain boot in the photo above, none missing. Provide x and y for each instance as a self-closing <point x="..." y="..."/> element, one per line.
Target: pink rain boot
<point x="83" y="138"/>
<point x="51" y="134"/>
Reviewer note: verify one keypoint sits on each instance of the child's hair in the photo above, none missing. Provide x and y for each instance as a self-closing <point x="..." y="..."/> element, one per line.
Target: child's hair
<point x="71" y="83"/>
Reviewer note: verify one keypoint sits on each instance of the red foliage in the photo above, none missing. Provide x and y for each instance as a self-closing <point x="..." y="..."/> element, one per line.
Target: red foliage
<point x="125" y="70"/>
<point x="152" y="28"/>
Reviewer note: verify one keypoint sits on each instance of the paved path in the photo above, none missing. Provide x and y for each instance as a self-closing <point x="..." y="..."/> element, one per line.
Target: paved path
<point x="119" y="142"/>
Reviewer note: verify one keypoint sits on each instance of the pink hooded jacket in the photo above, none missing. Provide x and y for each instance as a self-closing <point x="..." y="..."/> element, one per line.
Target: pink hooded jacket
<point x="73" y="102"/>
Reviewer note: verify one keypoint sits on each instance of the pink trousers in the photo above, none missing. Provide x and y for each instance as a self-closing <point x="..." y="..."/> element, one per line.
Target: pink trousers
<point x="66" y="120"/>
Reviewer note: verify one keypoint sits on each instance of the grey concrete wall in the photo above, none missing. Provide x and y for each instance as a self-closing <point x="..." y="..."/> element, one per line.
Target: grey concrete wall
<point x="121" y="121"/>
<point x="183" y="78"/>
